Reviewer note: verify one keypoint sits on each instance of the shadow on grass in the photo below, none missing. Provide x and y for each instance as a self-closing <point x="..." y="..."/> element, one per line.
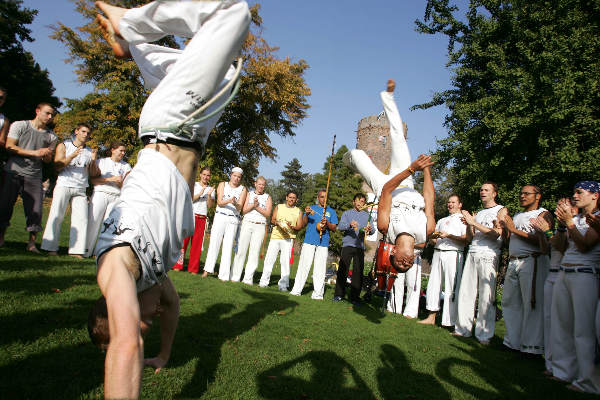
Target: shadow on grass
<point x="396" y="379"/>
<point x="371" y="310"/>
<point x="43" y="283"/>
<point x="202" y="336"/>
<point x="332" y="378"/>
<point x="524" y="380"/>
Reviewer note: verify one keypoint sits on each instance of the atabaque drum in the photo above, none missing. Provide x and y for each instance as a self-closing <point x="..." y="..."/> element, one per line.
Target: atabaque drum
<point x="383" y="268"/>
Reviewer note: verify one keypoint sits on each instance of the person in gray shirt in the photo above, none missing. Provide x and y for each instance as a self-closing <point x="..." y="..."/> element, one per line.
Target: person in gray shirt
<point x="354" y="224"/>
<point x="29" y="143"/>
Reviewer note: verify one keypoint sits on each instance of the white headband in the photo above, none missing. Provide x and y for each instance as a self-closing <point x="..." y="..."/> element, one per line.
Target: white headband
<point x="237" y="169"/>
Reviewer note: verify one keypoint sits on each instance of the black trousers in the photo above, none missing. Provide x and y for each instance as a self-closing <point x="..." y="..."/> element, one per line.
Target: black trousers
<point x="30" y="189"/>
<point x="357" y="257"/>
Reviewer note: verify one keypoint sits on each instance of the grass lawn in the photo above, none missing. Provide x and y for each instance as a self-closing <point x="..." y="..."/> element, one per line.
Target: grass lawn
<point x="240" y="342"/>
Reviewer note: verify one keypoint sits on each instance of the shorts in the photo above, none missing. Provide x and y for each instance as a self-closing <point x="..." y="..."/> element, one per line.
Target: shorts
<point x="153" y="214"/>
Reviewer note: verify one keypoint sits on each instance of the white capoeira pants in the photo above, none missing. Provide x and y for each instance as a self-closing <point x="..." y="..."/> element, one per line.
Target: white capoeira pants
<point x="574" y="303"/>
<point x="61" y="198"/>
<point x="251" y="236"/>
<point x="446" y="267"/>
<point x="548" y="289"/>
<point x="307" y="254"/>
<point x="524" y="324"/>
<point x="223" y="230"/>
<point x="184" y="80"/>
<point x="275" y="246"/>
<point x="100" y="206"/>
<point x="400" y="155"/>
<point x="479" y="275"/>
<point x="412" y="280"/>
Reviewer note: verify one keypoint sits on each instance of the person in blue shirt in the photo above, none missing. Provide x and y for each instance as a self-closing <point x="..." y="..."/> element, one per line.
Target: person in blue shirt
<point x="354" y="224"/>
<point x="315" y="246"/>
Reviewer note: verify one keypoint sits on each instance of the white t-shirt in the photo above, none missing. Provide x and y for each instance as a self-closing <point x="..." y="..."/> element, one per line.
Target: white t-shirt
<point x="201" y="205"/>
<point x="453" y="225"/>
<point x="75" y="175"/>
<point x="254" y="215"/>
<point x="573" y="255"/>
<point x="108" y="169"/>
<point x="481" y="242"/>
<point x="518" y="246"/>
<point x="228" y="193"/>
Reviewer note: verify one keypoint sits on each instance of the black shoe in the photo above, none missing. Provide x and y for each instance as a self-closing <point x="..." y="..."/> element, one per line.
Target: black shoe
<point x="337" y="298"/>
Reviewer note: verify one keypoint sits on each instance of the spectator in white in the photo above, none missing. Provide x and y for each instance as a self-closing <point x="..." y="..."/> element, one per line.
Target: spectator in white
<point x="29" y="143"/>
<point x="523" y="293"/>
<point x="107" y="187"/>
<point x="231" y="197"/>
<point x="449" y="239"/>
<point x="479" y="273"/>
<point x="575" y="296"/>
<point x="4" y="122"/>
<point x="257" y="209"/>
<point x="76" y="162"/>
<point x="204" y="198"/>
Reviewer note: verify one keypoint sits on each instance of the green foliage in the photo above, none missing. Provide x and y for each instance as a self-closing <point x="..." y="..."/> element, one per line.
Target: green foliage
<point x="272" y="97"/>
<point x="343" y="185"/>
<point x="293" y="177"/>
<point x="27" y="84"/>
<point x="525" y="97"/>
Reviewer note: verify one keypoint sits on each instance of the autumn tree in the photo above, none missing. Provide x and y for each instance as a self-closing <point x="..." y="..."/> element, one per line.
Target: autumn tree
<point x="26" y="82"/>
<point x="271" y="100"/>
<point x="524" y="101"/>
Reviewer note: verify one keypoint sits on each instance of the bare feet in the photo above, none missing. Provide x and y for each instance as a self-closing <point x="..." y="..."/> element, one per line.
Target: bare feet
<point x="484" y="342"/>
<point x="113" y="13"/>
<point x="430" y="320"/>
<point x="117" y="43"/>
<point x="52" y="253"/>
<point x="204" y="274"/>
<point x="31" y="247"/>
<point x="456" y="334"/>
<point x="76" y="256"/>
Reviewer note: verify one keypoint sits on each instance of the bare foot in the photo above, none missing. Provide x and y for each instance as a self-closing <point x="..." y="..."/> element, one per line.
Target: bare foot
<point x="31" y="247"/>
<point x="117" y="43"/>
<point x="430" y="320"/>
<point x="76" y="256"/>
<point x="456" y="334"/>
<point x="204" y="274"/>
<point x="113" y="13"/>
<point x="52" y="253"/>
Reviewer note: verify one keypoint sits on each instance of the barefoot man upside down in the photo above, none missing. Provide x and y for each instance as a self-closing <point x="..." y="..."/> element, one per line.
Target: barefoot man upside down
<point x="141" y="238"/>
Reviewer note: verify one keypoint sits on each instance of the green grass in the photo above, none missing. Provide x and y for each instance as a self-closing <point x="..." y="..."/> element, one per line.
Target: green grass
<point x="240" y="342"/>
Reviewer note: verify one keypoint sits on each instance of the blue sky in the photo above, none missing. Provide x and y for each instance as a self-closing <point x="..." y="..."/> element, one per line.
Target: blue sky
<point x="352" y="48"/>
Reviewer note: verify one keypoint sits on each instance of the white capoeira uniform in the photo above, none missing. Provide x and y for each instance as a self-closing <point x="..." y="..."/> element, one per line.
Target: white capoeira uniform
<point x="154" y="212"/>
<point x="446" y="267"/>
<point x="104" y="198"/>
<point x="224" y="229"/>
<point x="412" y="280"/>
<point x="479" y="275"/>
<point x="555" y="260"/>
<point x="522" y="298"/>
<point x="574" y="303"/>
<point x="252" y="234"/>
<point x="406" y="215"/>
<point x="70" y="187"/>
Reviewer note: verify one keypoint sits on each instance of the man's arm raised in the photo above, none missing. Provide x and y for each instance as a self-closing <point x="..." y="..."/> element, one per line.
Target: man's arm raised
<point x="429" y="196"/>
<point x="169" y="317"/>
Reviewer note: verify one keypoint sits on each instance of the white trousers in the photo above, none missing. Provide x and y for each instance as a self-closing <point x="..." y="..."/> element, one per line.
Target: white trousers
<point x="223" y="230"/>
<point x="275" y="246"/>
<point x="251" y="236"/>
<point x="446" y="267"/>
<point x="524" y="324"/>
<point x="548" y="289"/>
<point x="412" y="280"/>
<point x="479" y="274"/>
<point x="61" y="198"/>
<point x="99" y="207"/>
<point x="574" y="302"/>
<point x="184" y="80"/>
<point x="307" y="254"/>
<point x="400" y="156"/>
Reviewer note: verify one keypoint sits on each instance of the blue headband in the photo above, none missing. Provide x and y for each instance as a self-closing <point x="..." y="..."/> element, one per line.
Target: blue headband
<point x="590" y="186"/>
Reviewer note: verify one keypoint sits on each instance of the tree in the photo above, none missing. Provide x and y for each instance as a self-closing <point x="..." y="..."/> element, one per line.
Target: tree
<point x="26" y="82"/>
<point x="293" y="177"/>
<point x="272" y="97"/>
<point x="343" y="185"/>
<point x="523" y="107"/>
